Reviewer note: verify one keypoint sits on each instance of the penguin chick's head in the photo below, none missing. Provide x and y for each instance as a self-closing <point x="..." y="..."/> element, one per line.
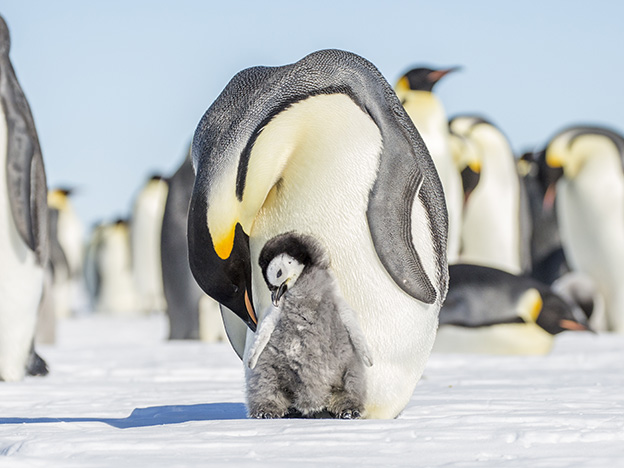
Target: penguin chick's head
<point x="286" y="257"/>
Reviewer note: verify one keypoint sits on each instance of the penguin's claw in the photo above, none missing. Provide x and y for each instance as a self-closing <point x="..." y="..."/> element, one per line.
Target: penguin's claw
<point x="349" y="414"/>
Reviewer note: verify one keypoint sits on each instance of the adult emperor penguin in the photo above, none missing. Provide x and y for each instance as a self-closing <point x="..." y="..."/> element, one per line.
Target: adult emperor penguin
<point x="488" y="310"/>
<point x="547" y="255"/>
<point x="145" y="232"/>
<point x="496" y="225"/>
<point x="590" y="209"/>
<point x="23" y="224"/>
<point x="116" y="293"/>
<point x="192" y="314"/>
<point x="415" y="90"/>
<point x="323" y="147"/>
<point x="68" y="235"/>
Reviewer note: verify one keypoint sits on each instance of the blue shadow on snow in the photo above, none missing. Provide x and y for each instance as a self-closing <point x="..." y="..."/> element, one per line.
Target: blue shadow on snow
<point x="154" y="416"/>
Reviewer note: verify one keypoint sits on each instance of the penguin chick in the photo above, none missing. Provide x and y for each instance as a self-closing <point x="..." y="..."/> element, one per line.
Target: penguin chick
<point x="309" y="353"/>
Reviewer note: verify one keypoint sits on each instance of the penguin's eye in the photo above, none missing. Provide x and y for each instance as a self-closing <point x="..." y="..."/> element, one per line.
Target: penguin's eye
<point x="279" y="273"/>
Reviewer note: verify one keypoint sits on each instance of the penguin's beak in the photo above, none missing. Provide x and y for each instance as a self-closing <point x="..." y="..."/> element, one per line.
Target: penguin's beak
<point x="223" y="273"/>
<point x="437" y="75"/>
<point x="277" y="294"/>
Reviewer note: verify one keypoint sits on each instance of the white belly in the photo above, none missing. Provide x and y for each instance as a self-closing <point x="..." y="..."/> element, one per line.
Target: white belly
<point x="491" y="230"/>
<point x="21" y="283"/>
<point x="592" y="232"/>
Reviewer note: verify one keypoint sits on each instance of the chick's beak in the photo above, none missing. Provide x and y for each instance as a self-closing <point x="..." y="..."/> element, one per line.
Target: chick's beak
<point x="277" y="294"/>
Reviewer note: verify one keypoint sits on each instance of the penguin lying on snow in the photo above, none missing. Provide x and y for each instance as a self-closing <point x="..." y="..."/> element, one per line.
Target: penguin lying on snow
<point x="492" y="311"/>
<point x="310" y="352"/>
<point x="323" y="146"/>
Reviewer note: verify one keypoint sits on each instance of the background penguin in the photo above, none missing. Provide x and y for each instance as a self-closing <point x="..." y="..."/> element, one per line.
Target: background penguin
<point x="23" y="225"/>
<point x="492" y="311"/>
<point x="309" y="353"/>
<point x="590" y="209"/>
<point x="415" y="90"/>
<point x="145" y="232"/>
<point x="468" y="163"/>
<point x="324" y="147"/>
<point x="496" y="225"/>
<point x="547" y="254"/>
<point x="116" y="294"/>
<point x="67" y="233"/>
<point x="192" y="314"/>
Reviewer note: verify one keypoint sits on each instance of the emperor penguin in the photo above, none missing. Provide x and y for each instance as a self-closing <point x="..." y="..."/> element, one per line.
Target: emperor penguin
<point x="192" y="314"/>
<point x="309" y="353"/>
<point x="496" y="224"/>
<point x="324" y="147"/>
<point x="68" y="233"/>
<point x="590" y="209"/>
<point x="116" y="293"/>
<point x="415" y="90"/>
<point x="491" y="311"/>
<point x="145" y="232"/>
<point x="547" y="255"/>
<point x="23" y="225"/>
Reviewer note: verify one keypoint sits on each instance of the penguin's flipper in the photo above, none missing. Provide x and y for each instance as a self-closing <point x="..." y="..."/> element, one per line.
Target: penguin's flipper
<point x="39" y="209"/>
<point x="390" y="222"/>
<point x="348" y="317"/>
<point x="25" y="171"/>
<point x="263" y="335"/>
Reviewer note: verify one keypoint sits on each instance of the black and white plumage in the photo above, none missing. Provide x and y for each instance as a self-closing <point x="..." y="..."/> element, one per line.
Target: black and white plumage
<point x="323" y="147"/>
<point x="415" y="90"/>
<point x="23" y="224"/>
<point x="590" y="209"/>
<point x="488" y="310"/>
<point x="496" y="227"/>
<point x="192" y="314"/>
<point x="309" y="353"/>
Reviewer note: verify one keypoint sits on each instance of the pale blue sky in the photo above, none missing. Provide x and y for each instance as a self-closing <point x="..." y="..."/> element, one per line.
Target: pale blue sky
<point x="117" y="87"/>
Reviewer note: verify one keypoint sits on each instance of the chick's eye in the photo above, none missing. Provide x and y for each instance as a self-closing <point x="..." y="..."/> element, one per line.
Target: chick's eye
<point x="279" y="273"/>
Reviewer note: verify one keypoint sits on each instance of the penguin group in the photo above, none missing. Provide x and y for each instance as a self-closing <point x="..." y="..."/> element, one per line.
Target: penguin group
<point x="334" y="228"/>
<point x="540" y="244"/>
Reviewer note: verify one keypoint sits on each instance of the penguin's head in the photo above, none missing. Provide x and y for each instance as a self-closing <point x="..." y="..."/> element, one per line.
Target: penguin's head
<point x="286" y="257"/>
<point x="549" y="311"/>
<point x="422" y="78"/>
<point x="572" y="148"/>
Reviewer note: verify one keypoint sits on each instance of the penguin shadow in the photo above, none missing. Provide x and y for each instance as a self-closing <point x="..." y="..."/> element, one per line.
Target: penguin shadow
<point x="154" y="416"/>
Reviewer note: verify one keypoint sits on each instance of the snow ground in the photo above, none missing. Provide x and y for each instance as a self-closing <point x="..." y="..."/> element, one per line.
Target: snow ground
<point x="119" y="395"/>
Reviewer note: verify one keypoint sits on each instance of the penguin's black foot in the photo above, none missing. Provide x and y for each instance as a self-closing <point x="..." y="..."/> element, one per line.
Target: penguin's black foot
<point x="349" y="414"/>
<point x="36" y="366"/>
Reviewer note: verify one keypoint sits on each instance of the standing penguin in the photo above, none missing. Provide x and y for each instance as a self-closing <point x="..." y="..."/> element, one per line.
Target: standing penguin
<point x="192" y="314"/>
<point x="590" y="209"/>
<point x="67" y="234"/>
<point x="116" y="293"/>
<point x="23" y="225"/>
<point x="145" y="232"/>
<point x="309" y="353"/>
<point x="323" y="147"/>
<point x="415" y="90"/>
<point x="496" y="226"/>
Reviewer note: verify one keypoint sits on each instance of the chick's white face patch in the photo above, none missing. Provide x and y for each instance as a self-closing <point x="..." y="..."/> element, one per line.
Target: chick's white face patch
<point x="282" y="269"/>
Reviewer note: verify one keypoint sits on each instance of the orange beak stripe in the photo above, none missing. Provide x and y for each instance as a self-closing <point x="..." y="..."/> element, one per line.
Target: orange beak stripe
<point x="250" y="309"/>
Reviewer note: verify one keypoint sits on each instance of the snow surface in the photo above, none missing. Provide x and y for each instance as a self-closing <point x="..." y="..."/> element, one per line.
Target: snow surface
<point x="119" y="395"/>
